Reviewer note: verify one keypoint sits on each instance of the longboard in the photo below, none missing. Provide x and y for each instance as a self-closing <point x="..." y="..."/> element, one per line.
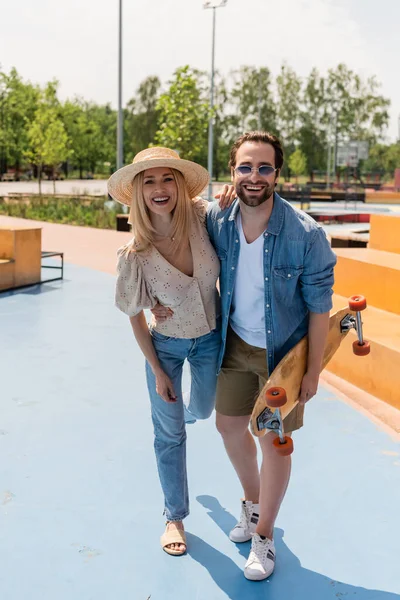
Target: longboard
<point x="281" y="392"/>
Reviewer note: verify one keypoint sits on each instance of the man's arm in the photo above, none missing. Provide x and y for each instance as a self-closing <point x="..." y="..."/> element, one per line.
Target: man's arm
<point x="317" y="281"/>
<point x="317" y="333"/>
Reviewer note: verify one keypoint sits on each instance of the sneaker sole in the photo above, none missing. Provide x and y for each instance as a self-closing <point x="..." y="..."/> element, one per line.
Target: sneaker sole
<point x="241" y="540"/>
<point x="257" y="576"/>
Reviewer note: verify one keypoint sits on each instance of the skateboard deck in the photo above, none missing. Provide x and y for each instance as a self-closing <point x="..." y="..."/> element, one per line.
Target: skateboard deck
<point x="271" y="408"/>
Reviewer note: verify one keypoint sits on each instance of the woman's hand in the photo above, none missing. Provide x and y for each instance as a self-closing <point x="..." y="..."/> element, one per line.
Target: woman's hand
<point x="161" y="313"/>
<point x="226" y="196"/>
<point x="164" y="387"/>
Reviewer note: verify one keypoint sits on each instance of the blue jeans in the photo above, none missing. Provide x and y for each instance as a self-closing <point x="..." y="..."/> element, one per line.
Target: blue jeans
<point x="169" y="418"/>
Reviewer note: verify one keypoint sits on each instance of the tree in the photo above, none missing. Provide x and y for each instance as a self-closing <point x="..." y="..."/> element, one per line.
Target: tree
<point x="141" y="116"/>
<point x="298" y="163"/>
<point x="383" y="159"/>
<point x="252" y="100"/>
<point x="92" y="130"/>
<point x="359" y="111"/>
<point x="183" y="115"/>
<point x="55" y="147"/>
<point x="18" y="103"/>
<point x="47" y="138"/>
<point x="312" y="132"/>
<point x="289" y="101"/>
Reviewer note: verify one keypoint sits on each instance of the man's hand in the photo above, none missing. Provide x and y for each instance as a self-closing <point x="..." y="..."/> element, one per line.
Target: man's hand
<point x="161" y="312"/>
<point x="226" y="196"/>
<point x="309" y="387"/>
<point x="164" y="387"/>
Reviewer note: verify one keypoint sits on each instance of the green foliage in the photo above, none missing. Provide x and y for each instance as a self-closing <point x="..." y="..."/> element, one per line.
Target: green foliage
<point x="308" y="113"/>
<point x="384" y="159"/>
<point x="252" y="100"/>
<point x="183" y="115"/>
<point x="141" y="118"/>
<point x="289" y="101"/>
<point x="87" y="212"/>
<point x="312" y="134"/>
<point x="298" y="162"/>
<point x="48" y="143"/>
<point x="359" y="112"/>
<point x="92" y="130"/>
<point x="18" y="104"/>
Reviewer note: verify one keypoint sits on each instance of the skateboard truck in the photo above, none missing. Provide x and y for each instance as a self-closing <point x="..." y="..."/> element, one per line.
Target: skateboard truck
<point x="356" y="303"/>
<point x="272" y="420"/>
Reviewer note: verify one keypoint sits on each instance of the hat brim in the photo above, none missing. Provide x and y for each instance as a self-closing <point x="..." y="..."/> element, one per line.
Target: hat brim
<point x="120" y="184"/>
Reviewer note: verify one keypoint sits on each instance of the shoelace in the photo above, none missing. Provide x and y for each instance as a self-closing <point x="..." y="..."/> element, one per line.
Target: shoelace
<point x="244" y="518"/>
<point x="260" y="548"/>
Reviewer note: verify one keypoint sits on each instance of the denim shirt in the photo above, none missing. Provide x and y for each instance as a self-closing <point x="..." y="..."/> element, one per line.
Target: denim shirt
<point x="298" y="272"/>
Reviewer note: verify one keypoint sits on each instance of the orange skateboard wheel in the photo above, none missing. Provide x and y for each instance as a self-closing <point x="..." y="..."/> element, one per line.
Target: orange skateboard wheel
<point x="283" y="449"/>
<point x="361" y="349"/>
<point x="357" y="303"/>
<point x="275" y="397"/>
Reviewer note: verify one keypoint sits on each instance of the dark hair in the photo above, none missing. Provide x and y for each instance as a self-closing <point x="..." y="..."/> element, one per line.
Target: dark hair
<point x="258" y="136"/>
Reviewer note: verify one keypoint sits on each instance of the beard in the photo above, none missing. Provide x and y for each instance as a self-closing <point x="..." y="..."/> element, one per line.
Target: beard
<point x="251" y="198"/>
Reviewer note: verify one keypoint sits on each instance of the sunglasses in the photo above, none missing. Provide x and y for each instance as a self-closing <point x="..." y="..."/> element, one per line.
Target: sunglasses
<point x="264" y="170"/>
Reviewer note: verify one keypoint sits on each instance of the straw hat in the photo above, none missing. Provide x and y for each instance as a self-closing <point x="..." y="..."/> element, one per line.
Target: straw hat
<point x="120" y="184"/>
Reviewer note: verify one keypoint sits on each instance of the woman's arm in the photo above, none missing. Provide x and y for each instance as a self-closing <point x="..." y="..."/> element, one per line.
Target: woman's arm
<point x="164" y="385"/>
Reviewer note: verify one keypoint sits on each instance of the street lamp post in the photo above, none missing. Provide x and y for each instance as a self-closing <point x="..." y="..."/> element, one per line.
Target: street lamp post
<point x="214" y="4"/>
<point x="120" y="121"/>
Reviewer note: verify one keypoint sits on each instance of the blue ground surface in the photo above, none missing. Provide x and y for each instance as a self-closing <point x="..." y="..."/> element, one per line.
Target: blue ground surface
<point x="80" y="505"/>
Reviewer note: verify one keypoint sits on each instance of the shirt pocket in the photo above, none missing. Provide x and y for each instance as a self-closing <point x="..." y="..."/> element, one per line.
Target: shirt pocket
<point x="286" y="279"/>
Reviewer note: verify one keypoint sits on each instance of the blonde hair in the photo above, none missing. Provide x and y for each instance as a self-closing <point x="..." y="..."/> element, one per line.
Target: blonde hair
<point x="139" y="215"/>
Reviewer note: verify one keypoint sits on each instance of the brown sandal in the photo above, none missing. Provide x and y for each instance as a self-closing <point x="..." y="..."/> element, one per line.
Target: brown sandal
<point x="176" y="536"/>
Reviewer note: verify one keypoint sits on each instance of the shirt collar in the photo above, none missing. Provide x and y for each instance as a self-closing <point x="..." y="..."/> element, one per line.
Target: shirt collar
<point x="276" y="219"/>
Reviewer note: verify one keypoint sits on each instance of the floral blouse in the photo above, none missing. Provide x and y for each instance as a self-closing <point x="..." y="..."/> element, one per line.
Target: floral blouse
<point x="145" y="278"/>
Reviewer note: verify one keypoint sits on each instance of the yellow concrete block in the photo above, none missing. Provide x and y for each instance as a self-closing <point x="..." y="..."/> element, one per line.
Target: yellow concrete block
<point x="6" y="274"/>
<point x="24" y="247"/>
<point x="378" y="373"/>
<point x="385" y="233"/>
<point x="372" y="273"/>
<point x="28" y="249"/>
<point x="7" y="241"/>
<point x="380" y="197"/>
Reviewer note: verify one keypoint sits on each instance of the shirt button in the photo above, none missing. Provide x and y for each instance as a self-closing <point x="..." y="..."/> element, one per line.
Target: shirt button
<point x="237" y="241"/>
<point x="229" y="293"/>
<point x="266" y="234"/>
<point x="267" y="305"/>
<point x="269" y="331"/>
<point x="233" y="268"/>
<point x="266" y="250"/>
<point x="266" y="279"/>
<point x="289" y="275"/>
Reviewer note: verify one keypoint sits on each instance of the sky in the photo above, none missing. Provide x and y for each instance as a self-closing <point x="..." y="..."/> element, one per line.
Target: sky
<point x="76" y="41"/>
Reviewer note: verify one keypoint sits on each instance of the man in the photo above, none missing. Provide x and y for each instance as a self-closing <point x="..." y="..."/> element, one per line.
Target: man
<point x="276" y="286"/>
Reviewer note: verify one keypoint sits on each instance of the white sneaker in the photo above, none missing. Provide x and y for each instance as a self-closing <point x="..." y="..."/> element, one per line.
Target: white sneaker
<point x="261" y="561"/>
<point x="247" y="523"/>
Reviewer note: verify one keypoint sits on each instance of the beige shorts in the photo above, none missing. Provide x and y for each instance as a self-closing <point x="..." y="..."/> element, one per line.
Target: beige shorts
<point x="243" y="375"/>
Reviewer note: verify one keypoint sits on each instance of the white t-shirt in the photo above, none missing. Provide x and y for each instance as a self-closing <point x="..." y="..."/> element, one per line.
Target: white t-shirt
<point x="247" y="317"/>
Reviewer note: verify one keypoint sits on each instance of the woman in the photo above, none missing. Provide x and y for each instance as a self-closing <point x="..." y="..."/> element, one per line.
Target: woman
<point x="170" y="261"/>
